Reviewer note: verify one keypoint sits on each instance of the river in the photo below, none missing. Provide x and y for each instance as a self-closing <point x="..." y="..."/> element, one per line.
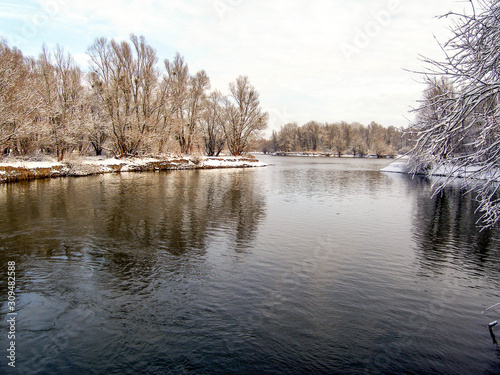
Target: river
<point x="309" y="265"/>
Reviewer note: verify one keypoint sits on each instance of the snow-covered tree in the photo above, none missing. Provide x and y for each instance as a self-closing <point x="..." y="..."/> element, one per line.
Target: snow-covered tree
<point x="125" y="79"/>
<point x="460" y="127"/>
<point x="58" y="87"/>
<point x="17" y="102"/>
<point x="213" y="121"/>
<point x="246" y="118"/>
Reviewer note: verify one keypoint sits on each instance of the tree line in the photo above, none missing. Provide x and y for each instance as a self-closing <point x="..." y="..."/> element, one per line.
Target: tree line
<point x="339" y="139"/>
<point x="124" y="105"/>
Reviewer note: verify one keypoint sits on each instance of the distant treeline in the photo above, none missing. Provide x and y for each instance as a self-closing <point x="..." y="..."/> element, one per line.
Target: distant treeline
<point x="339" y="139"/>
<point x="125" y="104"/>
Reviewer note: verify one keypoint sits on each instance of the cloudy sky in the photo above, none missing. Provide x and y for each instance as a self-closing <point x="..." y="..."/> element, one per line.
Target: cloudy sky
<point x="323" y="60"/>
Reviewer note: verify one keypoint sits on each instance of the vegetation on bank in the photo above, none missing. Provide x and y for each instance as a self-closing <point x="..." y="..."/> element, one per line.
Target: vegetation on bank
<point x="338" y="139"/>
<point x="19" y="170"/>
<point x="457" y="125"/>
<point x="124" y="105"/>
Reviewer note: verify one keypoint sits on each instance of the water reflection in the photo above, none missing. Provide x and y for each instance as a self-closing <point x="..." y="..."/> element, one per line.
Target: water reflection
<point x="124" y="224"/>
<point x="176" y="212"/>
<point x="330" y="179"/>
<point x="445" y="232"/>
<point x="324" y="266"/>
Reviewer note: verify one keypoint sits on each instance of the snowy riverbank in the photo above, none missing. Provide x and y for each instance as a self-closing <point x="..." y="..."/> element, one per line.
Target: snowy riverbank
<point x="472" y="172"/>
<point x="12" y="169"/>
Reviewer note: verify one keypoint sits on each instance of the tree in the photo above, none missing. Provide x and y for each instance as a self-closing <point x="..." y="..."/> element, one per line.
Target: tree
<point x="177" y="81"/>
<point x="198" y="84"/>
<point x="185" y="100"/>
<point x="59" y="92"/>
<point x="96" y="123"/>
<point x="125" y="104"/>
<point x="394" y="139"/>
<point x="17" y="102"/>
<point x="312" y="135"/>
<point x="288" y="137"/>
<point x="430" y="124"/>
<point x="245" y="116"/>
<point x="334" y="139"/>
<point x="125" y="78"/>
<point x="376" y="139"/>
<point x="213" y="120"/>
<point x="465" y="130"/>
<point x="274" y="143"/>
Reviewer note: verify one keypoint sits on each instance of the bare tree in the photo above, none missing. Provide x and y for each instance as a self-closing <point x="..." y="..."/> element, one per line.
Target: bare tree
<point x="466" y="131"/>
<point x="312" y="135"/>
<point x="246" y="118"/>
<point x="430" y="124"/>
<point x="213" y="121"/>
<point x="198" y="84"/>
<point x="125" y="78"/>
<point x="376" y="139"/>
<point x="95" y="121"/>
<point x="394" y="139"/>
<point x="17" y="102"/>
<point x="334" y="139"/>
<point x="340" y="138"/>
<point x="59" y="90"/>
<point x="288" y="137"/>
<point x="185" y="100"/>
<point x="177" y="82"/>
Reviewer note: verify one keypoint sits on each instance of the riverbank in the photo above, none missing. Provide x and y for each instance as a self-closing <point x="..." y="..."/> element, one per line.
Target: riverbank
<point x="13" y="169"/>
<point x="473" y="172"/>
<point x="329" y="155"/>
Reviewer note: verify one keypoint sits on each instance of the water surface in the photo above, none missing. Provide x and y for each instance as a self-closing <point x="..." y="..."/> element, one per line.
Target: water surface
<point x="309" y="265"/>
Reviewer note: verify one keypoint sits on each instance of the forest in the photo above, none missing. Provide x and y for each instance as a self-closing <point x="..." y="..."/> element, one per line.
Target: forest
<point x="340" y="138"/>
<point x="124" y="105"/>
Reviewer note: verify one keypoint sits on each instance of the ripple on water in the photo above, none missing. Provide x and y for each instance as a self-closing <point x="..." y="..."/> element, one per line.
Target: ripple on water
<point x="307" y="266"/>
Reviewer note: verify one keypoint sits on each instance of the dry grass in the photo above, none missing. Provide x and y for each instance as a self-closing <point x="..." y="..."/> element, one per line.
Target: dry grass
<point x="13" y="174"/>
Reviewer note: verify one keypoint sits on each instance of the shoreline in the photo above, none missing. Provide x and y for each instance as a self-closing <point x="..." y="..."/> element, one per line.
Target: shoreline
<point x="14" y="170"/>
<point x="473" y="172"/>
<point x="329" y="155"/>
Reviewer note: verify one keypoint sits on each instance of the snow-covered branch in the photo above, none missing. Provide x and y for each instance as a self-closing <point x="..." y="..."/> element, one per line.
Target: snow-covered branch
<point x="458" y="122"/>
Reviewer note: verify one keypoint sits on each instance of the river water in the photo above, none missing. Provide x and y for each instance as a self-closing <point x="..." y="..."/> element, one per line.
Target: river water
<point x="309" y="265"/>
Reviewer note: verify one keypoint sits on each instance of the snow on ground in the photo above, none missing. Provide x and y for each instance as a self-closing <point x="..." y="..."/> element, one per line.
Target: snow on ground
<point x="230" y="162"/>
<point x="473" y="172"/>
<point x="396" y="167"/>
<point x="31" y="164"/>
<point x="15" y="169"/>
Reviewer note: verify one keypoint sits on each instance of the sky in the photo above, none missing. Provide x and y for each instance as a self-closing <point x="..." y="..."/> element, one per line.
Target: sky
<point x="321" y="60"/>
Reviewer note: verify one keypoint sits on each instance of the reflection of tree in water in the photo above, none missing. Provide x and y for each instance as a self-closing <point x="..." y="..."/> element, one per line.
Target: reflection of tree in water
<point x="243" y="207"/>
<point x="340" y="183"/>
<point x="175" y="212"/>
<point x="137" y="214"/>
<point x="445" y="230"/>
<point x="133" y="230"/>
